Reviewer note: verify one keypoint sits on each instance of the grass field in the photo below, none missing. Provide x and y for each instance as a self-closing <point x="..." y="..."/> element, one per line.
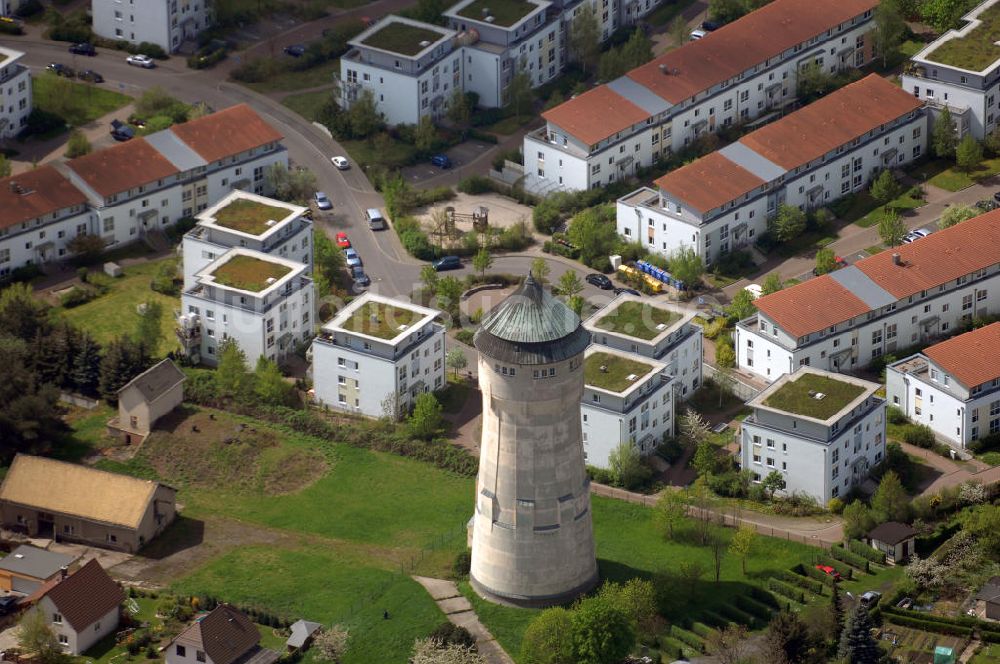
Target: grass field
<point x="987" y="654"/>
<point x="865" y="212"/>
<point x="90" y="432"/>
<point x="290" y="81"/>
<point x="76" y="103"/>
<point x="114" y="314"/>
<point x="307" y="104"/>
<point x="952" y="179"/>
<point x="639" y="320"/>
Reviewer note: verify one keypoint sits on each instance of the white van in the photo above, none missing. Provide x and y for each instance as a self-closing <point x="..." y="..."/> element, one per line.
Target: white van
<point x="376" y="221"/>
<point x="698" y="34"/>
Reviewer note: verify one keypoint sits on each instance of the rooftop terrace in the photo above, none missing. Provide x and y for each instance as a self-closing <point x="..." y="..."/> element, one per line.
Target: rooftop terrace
<point x="799" y="396"/>
<point x="638" y="319"/>
<point x="976" y="50"/>
<point x="612" y="372"/>
<point x="402" y="38"/>
<point x="382" y="320"/>
<point x="248" y="216"/>
<point x="249" y="273"/>
<point x="504" y="12"/>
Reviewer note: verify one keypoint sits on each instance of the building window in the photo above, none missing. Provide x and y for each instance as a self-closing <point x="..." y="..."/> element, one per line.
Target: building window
<point x="199" y="655"/>
<point x="181" y="651"/>
<point x="63" y="640"/>
<point x="57" y="618"/>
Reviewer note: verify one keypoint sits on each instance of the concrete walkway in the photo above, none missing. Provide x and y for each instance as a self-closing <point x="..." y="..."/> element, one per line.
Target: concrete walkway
<point x="459" y="611"/>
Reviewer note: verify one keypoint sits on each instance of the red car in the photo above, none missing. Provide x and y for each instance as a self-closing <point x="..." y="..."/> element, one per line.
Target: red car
<point x="342" y="240"/>
<point x="829" y="571"/>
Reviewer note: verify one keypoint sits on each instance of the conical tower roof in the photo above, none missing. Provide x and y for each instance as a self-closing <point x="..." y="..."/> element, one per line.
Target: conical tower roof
<point x="531" y="327"/>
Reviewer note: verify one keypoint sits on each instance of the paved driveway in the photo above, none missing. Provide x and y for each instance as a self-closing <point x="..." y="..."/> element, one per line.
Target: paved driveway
<point x="461" y="155"/>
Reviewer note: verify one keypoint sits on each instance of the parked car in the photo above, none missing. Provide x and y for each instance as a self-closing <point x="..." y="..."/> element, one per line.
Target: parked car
<point x="322" y="202"/>
<point x="710" y="26"/>
<point x="915" y="235"/>
<point x="996" y="197"/>
<point x="871" y="598"/>
<point x="359" y="276"/>
<point x="352" y="258"/>
<point x="698" y="34"/>
<point x="755" y="290"/>
<point x="447" y="263"/>
<point x="341" y="163"/>
<point x="627" y="291"/>
<point x="60" y="69"/>
<point x="120" y="131"/>
<point x="829" y="571"/>
<point x="376" y="221"/>
<point x="342" y="240"/>
<point x="599" y="280"/>
<point x="295" y="50"/>
<point x="987" y="205"/>
<point x="441" y="161"/>
<point x="140" y="60"/>
<point x="8" y="603"/>
<point x="904" y="603"/>
<point x="83" y="49"/>
<point x="91" y="75"/>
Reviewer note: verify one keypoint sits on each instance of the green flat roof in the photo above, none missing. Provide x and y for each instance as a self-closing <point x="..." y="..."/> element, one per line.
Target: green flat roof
<point x="401" y="38"/>
<point x="505" y="12"/>
<point x="638" y="319"/>
<point x="378" y="319"/>
<point x="617" y="371"/>
<point x="976" y="50"/>
<point x="797" y="396"/>
<point x="249" y="216"/>
<point x="249" y="273"/>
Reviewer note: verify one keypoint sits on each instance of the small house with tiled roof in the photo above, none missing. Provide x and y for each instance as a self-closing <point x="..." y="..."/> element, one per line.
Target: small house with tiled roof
<point x="223" y="636"/>
<point x="145" y="399"/>
<point x="81" y="608"/>
<point x="896" y="540"/>
<point x="988" y="599"/>
<point x="63" y="501"/>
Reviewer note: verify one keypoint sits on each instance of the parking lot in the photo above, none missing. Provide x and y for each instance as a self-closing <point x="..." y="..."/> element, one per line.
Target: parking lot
<point x="460" y="155"/>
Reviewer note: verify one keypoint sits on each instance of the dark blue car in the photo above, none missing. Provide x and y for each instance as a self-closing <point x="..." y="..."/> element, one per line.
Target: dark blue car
<point x="441" y="161"/>
<point x="447" y="263"/>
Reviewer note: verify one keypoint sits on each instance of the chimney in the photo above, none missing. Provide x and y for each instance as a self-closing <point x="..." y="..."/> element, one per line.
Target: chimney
<point x="663" y="69"/>
<point x="896" y="260"/>
<point x="63" y="572"/>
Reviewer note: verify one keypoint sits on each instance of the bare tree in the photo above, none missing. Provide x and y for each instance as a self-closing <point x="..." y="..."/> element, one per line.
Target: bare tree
<point x="730" y="645"/>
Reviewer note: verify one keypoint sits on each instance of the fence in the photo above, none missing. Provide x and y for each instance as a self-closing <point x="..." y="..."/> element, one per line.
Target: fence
<point x="78" y="400"/>
<point x="742" y="390"/>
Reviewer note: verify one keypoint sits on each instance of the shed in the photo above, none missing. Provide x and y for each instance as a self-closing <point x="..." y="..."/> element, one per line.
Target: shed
<point x="145" y="399"/>
<point x="28" y="567"/>
<point x="302" y="634"/>
<point x="894" y="539"/>
<point x="988" y="599"/>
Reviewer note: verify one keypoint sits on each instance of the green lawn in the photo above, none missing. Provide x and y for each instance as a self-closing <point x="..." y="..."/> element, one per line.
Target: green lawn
<point x="289" y="81"/>
<point x="807" y="243"/>
<point x="90" y="432"/>
<point x="952" y="179"/>
<point x="798" y="396"/>
<point x="506" y="623"/>
<point x="667" y="12"/>
<point x="505" y="12"/>
<point x="509" y="125"/>
<point x="391" y="154"/>
<point x="403" y="38"/>
<point x="611" y="372"/>
<point x="249" y="273"/>
<point x="114" y="314"/>
<point x="381" y="320"/>
<point x="976" y="50"/>
<point x="638" y="319"/>
<point x="989" y="653"/>
<point x="865" y="212"/>
<point x="307" y="104"/>
<point x="249" y="216"/>
<point x="76" y="103"/>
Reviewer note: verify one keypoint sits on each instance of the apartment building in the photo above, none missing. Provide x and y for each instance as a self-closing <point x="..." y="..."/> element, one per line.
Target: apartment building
<point x="43" y="212"/>
<point x="807" y="159"/>
<point x="377" y="355"/>
<point x="882" y="304"/>
<point x="263" y="302"/>
<point x="953" y="386"/>
<point x="626" y="399"/>
<point x="149" y="183"/>
<point x="745" y="71"/>
<point x="166" y="23"/>
<point x="655" y="330"/>
<point x="15" y="93"/>
<point x="822" y="431"/>
<point x="242" y="219"/>
<point x="960" y="71"/>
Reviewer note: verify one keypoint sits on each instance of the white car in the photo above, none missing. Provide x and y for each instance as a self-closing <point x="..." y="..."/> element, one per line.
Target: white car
<point x="140" y="60"/>
<point x="341" y="163"/>
<point x="322" y="201"/>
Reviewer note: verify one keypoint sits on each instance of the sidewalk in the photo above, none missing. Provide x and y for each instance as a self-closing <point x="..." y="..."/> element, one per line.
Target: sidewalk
<point x="98" y="132"/>
<point x="459" y="611"/>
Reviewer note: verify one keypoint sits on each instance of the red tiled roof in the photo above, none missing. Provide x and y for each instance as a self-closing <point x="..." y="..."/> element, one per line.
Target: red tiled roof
<point x="973" y="358"/>
<point x="595" y="115"/>
<point x="835" y="120"/>
<point x="742" y="44"/>
<point x="86" y="596"/>
<point x="122" y="167"/>
<point x="709" y="182"/>
<point x="938" y="258"/>
<point x="227" y="132"/>
<point x="35" y="193"/>
<point x="811" y="306"/>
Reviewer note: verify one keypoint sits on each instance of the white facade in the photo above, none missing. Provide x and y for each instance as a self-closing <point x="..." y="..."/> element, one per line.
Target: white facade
<point x="641" y="414"/>
<point x="15" y="93"/>
<point x="819" y="458"/>
<point x="268" y="323"/>
<point x="167" y="23"/>
<point x="361" y="373"/>
<point x="72" y="641"/>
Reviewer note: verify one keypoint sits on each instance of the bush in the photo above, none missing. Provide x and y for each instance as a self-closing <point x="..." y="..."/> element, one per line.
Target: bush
<point x="465" y="336"/>
<point x="702" y="630"/>
<point x="895" y="415"/>
<point x="812" y="585"/>
<point x="785" y="590"/>
<point x="29" y="8"/>
<point x="813" y="573"/>
<point x="475" y="184"/>
<point x="925" y="625"/>
<point x="865" y="551"/>
<point x="760" y="611"/>
<point x="670" y="450"/>
<point x="76" y="296"/>
<point x="11" y="28"/>
<point x="852" y="559"/>
<point x="920" y="435"/>
<point x="462" y="564"/>
<point x="447" y="634"/>
<point x="154" y="51"/>
<point x="689" y="638"/>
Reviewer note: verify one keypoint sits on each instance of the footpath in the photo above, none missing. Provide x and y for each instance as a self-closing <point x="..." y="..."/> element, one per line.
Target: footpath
<point x="460" y="612"/>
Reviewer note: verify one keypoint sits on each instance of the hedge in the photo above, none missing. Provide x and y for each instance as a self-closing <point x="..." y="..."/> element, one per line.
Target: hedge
<point x="811" y="572"/>
<point x="759" y="610"/>
<point x="764" y="597"/>
<point x="927" y="625"/>
<point x="677" y="648"/>
<point x="865" y="551"/>
<point x="737" y="615"/>
<point x="716" y="620"/>
<point x="989" y="635"/>
<point x="845" y="570"/>
<point x="961" y="621"/>
<point x="852" y="559"/>
<point x="786" y="590"/>
<point x="812" y="585"/>
<point x="703" y="630"/>
<point x="689" y="638"/>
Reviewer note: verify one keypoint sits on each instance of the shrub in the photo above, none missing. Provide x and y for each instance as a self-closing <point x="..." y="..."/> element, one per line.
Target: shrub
<point x="920" y="435"/>
<point x="925" y="625"/>
<point x="785" y="590"/>
<point x="475" y="184"/>
<point x="29" y="8"/>
<point x="702" y="630"/>
<point x="812" y="572"/>
<point x="462" y="564"/>
<point x="11" y="28"/>
<point x="76" y="296"/>
<point x="865" y="551"/>
<point x="152" y="50"/>
<point x="689" y="638"/>
<point x="759" y="610"/>
<point x="835" y="505"/>
<point x="895" y="415"/>
<point x="447" y="634"/>
<point x="812" y="585"/>
<point x="465" y="336"/>
<point x="852" y="559"/>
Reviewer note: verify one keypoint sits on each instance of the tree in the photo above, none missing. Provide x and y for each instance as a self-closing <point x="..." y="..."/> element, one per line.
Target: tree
<point x="858" y="520"/>
<point x="425" y="135"/>
<point x="363" y="117"/>
<point x="983" y="522"/>
<point x="725" y="356"/>
<point x="448" y="294"/>
<point x="890" y="30"/>
<point x="328" y="262"/>
<point x="836" y="610"/>
<point x="570" y="284"/>
<point x="602" y="633"/>
<point x="585" y="37"/>
<point x="545" y="639"/>
<point x="331" y="644"/>
<point x="29" y="413"/>
<point x="890" y="502"/>
<point x="856" y="642"/>
<point x="686" y="265"/>
<point x="955" y="214"/>
<point x="730" y="645"/>
<point x="593" y="231"/>
<point x="482" y="261"/>
<point x="813" y="82"/>
<point x="294" y="186"/>
<point x="270" y="387"/>
<point x="774" y="482"/>
<point x="425" y="420"/>
<point x="77" y="145"/>
<point x="718" y="546"/>
<point x="5" y="168"/>
<point x="459" y="111"/>
<point x="123" y="360"/>
<point x="741" y="545"/>
<point x="679" y="31"/>
<point x="705" y="459"/>
<point x="943" y="14"/>
<point x="540" y="270"/>
<point x="891" y="228"/>
<point x="991" y="142"/>
<point x="519" y="92"/>
<point x="826" y="261"/>
<point x="772" y="284"/>
<point x="943" y="135"/>
<point x="788" y="223"/>
<point x="788" y="639"/>
<point x="36" y="637"/>
<point x="968" y="154"/>
<point x="455" y="360"/>
<point x="742" y="305"/>
<point x="885" y="188"/>
<point x="86" y="248"/>
<point x="430" y="651"/>
<point x="429" y="277"/>
<point x="636" y="598"/>
<point x="726" y="11"/>
<point x="625" y="465"/>
<point x="638" y="50"/>
<point x="693" y="427"/>
<point x="21" y="314"/>
<point x="149" y="327"/>
<point x="232" y="379"/>
<point x="86" y="370"/>
<point x="670" y="511"/>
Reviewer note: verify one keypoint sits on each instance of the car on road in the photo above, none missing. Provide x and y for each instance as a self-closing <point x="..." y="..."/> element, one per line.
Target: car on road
<point x="60" y="69"/>
<point x="447" y="263"/>
<point x="441" y="161"/>
<point x="698" y="34"/>
<point x="599" y="280"/>
<point x="322" y="201"/>
<point x="829" y="571"/>
<point x="340" y="162"/>
<point x="83" y="48"/>
<point x="871" y="598"/>
<point x="359" y="276"/>
<point x="8" y="603"/>
<point x="627" y="291"/>
<point x="342" y="240"/>
<point x="710" y="26"/>
<point x="755" y="290"/>
<point x="140" y="60"/>
<point x="91" y="76"/>
<point x="915" y="235"/>
<point x="352" y="258"/>
<point x="120" y="131"/>
<point x="295" y="50"/>
<point x="376" y="221"/>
